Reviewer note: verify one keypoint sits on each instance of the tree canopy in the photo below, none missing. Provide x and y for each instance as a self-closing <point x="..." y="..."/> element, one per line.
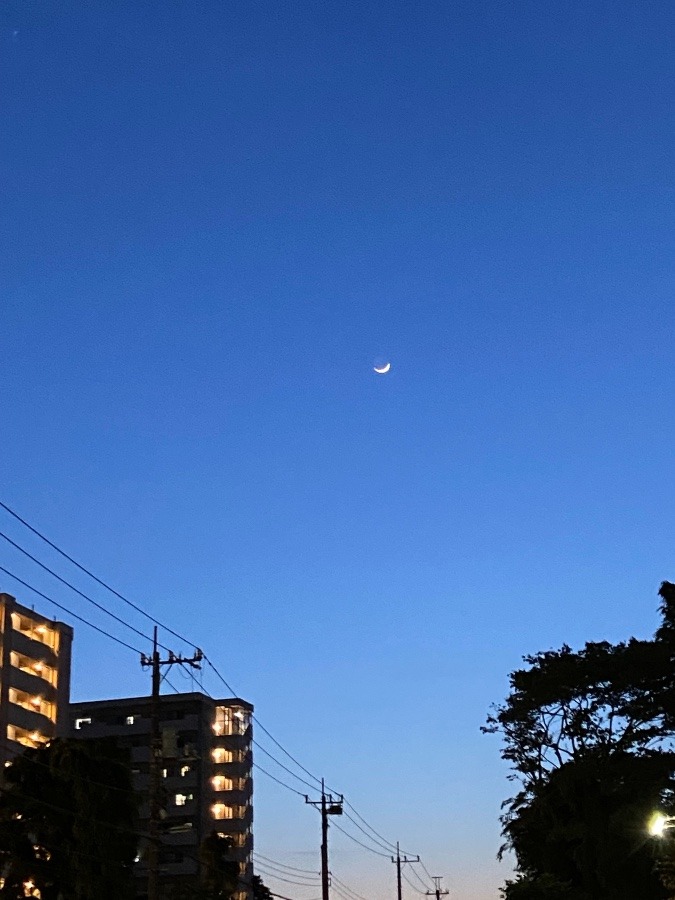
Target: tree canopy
<point x="67" y="823"/>
<point x="589" y="737"/>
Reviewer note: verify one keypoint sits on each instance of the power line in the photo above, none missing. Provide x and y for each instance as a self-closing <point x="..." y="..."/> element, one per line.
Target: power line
<point x="91" y="574"/>
<point x="410" y="884"/>
<point x="70" y="612"/>
<point x="385" y="845"/>
<point x="346" y="887"/>
<point x="429" y="876"/>
<point x="287" y="880"/>
<point x="139" y="610"/>
<point x="363" y="831"/>
<point x="73" y="588"/>
<point x="285" y="768"/>
<point x="357" y="841"/>
<point x="262" y="727"/>
<point x="418" y="876"/>
<point x="278" y="780"/>
<point x="341" y="893"/>
<point x="312" y="878"/>
<point x="376" y="833"/>
<point x="285" y="865"/>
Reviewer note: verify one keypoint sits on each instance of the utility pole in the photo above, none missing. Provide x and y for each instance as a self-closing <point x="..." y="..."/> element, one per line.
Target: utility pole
<point x="437" y="893"/>
<point x="155" y="663"/>
<point x="329" y="806"/>
<point x="397" y="859"/>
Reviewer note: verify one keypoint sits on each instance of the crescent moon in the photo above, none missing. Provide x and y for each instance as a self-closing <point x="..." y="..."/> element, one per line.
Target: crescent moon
<point x="383" y="369"/>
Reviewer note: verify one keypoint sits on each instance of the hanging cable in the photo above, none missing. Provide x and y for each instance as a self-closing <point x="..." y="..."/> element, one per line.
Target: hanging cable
<point x="346" y="887"/>
<point x="410" y="884"/>
<point x="313" y="879"/>
<point x="278" y="780"/>
<point x="385" y="844"/>
<point x="363" y="831"/>
<point x="285" y="768"/>
<point x="285" y="865"/>
<point x="287" y="880"/>
<point x="357" y="841"/>
<point x="428" y="874"/>
<point x="77" y="591"/>
<point x="69" y="611"/>
<point x="91" y="575"/>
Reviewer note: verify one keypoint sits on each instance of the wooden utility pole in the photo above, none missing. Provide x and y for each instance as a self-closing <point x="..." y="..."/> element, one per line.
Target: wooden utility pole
<point x="397" y="859"/>
<point x="328" y="806"/>
<point x="437" y="893"/>
<point x="155" y="663"/>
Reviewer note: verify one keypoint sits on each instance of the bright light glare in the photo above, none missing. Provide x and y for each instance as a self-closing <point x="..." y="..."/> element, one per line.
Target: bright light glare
<point x="657" y="824"/>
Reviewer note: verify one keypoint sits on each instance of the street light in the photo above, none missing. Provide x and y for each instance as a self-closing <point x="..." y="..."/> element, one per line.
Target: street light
<point x="658" y="823"/>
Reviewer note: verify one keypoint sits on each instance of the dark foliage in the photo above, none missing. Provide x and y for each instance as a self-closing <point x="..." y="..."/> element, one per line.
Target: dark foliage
<point x="260" y="889"/>
<point x="220" y="877"/>
<point x="68" y="822"/>
<point x="589" y="738"/>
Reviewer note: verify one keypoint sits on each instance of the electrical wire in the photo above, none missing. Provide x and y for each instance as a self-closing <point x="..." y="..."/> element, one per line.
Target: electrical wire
<point x="77" y="591"/>
<point x="262" y="728"/>
<point x="91" y="574"/>
<point x="139" y="610"/>
<point x="312" y="878"/>
<point x="285" y="768"/>
<point x="428" y="874"/>
<point x="342" y="894"/>
<point x="285" y="865"/>
<point x="377" y="834"/>
<point x="346" y="887"/>
<point x="278" y="780"/>
<point x="418" y="876"/>
<point x="410" y="884"/>
<point x="360" y="843"/>
<point x="374" y="840"/>
<point x="70" y="612"/>
<point x="287" y="880"/>
<point x="385" y="845"/>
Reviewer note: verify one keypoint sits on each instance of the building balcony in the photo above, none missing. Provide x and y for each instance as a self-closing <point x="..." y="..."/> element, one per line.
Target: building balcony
<point x="30" y="682"/>
<point x="33" y="647"/>
<point x="232" y="769"/>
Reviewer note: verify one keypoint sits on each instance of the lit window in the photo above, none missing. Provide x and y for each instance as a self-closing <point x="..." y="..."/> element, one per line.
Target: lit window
<point x="184" y="771"/>
<point x="80" y="722"/>
<point x="221" y="755"/>
<point x="130" y="720"/>
<point x="222" y="811"/>
<point x="165" y="773"/>
<point x="230" y="720"/>
<point x="182" y="799"/>
<point x="220" y="783"/>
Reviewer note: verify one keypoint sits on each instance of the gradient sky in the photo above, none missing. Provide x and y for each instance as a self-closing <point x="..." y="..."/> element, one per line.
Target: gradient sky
<point x="215" y="217"/>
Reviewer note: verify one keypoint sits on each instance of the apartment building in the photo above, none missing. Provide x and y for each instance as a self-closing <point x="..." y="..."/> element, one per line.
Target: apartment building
<point x="34" y="678"/>
<point x="206" y="776"/>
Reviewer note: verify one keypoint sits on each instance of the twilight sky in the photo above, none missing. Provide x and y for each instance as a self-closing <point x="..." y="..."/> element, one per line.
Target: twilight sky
<point x="215" y="217"/>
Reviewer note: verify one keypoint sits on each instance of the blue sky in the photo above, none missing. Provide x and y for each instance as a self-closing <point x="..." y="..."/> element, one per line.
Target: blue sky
<point x="215" y="218"/>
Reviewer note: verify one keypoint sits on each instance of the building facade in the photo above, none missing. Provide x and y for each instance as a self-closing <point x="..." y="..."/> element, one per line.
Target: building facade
<point x="206" y="776"/>
<point x="34" y="678"/>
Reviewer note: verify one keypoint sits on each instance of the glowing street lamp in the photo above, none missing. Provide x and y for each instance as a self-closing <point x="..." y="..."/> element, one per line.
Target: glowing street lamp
<point x="659" y="823"/>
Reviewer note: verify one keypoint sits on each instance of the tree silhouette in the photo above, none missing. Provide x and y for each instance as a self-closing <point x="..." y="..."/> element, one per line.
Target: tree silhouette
<point x="67" y="823"/>
<point x="589" y="736"/>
